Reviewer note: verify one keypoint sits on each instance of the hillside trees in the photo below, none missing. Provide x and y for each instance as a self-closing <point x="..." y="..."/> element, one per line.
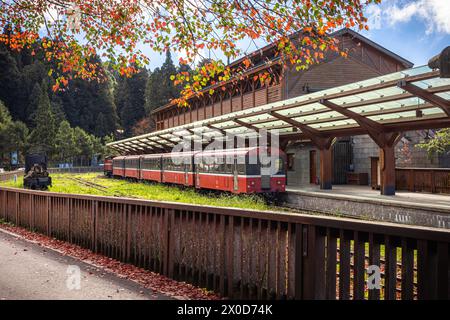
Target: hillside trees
<point x="13" y="134"/>
<point x="438" y="144"/>
<point x="130" y="99"/>
<point x="43" y="135"/>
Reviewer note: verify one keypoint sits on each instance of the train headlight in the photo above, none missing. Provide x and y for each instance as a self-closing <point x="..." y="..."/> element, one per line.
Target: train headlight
<point x="278" y="182"/>
<point x="253" y="183"/>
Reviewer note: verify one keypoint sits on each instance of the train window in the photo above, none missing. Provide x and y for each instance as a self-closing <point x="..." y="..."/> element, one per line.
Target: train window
<point x="279" y="166"/>
<point x="252" y="169"/>
<point x="228" y="168"/>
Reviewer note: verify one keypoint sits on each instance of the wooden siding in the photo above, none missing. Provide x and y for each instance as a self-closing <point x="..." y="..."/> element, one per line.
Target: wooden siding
<point x="363" y="62"/>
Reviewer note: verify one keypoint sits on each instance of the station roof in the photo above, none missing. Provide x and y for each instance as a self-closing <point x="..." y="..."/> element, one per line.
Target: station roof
<point x="411" y="99"/>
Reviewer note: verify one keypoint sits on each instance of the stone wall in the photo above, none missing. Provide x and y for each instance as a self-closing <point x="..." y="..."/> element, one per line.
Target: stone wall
<point x="370" y="209"/>
<point x="363" y="147"/>
<point x="300" y="173"/>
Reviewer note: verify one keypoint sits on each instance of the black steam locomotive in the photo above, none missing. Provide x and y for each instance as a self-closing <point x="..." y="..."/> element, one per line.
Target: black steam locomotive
<point x="36" y="174"/>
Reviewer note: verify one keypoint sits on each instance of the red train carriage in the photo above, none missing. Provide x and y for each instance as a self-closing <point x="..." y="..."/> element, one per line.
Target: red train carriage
<point x="240" y="171"/>
<point x="108" y="167"/>
<point x="151" y="167"/>
<point x="237" y="170"/>
<point x="119" y="167"/>
<point x="132" y="167"/>
<point x="178" y="168"/>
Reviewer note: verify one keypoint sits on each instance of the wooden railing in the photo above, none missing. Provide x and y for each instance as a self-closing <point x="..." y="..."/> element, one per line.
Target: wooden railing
<point x="423" y="180"/>
<point x="243" y="253"/>
<point x="8" y="175"/>
<point x="75" y="170"/>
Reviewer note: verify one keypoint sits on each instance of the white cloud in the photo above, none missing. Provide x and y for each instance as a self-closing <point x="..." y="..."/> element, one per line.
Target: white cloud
<point x="435" y="14"/>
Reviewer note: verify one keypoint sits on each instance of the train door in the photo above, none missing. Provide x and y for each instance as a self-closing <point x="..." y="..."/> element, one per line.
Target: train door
<point x="186" y="173"/>
<point x="197" y="173"/>
<point x="265" y="176"/>
<point x="139" y="164"/>
<point x="163" y="166"/>
<point x="235" y="176"/>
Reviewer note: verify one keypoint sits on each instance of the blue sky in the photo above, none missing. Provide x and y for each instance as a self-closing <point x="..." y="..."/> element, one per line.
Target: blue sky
<point x="413" y="29"/>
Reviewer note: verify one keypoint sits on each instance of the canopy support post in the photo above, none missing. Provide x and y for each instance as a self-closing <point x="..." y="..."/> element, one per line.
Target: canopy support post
<point x="387" y="163"/>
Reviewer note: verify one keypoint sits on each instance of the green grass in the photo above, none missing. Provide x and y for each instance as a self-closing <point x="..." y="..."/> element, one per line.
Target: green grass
<point x="63" y="184"/>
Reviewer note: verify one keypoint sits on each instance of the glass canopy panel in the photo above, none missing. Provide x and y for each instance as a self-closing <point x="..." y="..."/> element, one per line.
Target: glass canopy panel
<point x="320" y="116"/>
<point x="406" y="114"/>
<point x="433" y="83"/>
<point x="301" y="109"/>
<point x="269" y="124"/>
<point x="434" y="111"/>
<point x="415" y="71"/>
<point x="445" y="95"/>
<point x="371" y="95"/>
<point x="332" y="124"/>
<point x="407" y="102"/>
<point x="256" y="118"/>
<point x="284" y="130"/>
<point x="224" y="124"/>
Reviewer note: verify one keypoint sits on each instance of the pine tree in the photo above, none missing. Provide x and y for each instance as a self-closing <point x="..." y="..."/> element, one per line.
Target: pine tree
<point x="84" y="143"/>
<point x="9" y="80"/>
<point x="160" y="89"/>
<point x="33" y="103"/>
<point x="133" y="108"/>
<point x="13" y="134"/>
<point x="43" y="135"/>
<point x="65" y="146"/>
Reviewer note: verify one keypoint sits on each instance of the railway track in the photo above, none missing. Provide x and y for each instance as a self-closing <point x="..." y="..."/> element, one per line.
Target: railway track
<point x="99" y="187"/>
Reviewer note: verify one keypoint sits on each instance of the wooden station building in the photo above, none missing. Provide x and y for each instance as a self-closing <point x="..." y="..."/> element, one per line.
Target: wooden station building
<point x="339" y="121"/>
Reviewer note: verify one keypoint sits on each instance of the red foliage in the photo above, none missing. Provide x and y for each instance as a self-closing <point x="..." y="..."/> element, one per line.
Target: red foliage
<point x="147" y="279"/>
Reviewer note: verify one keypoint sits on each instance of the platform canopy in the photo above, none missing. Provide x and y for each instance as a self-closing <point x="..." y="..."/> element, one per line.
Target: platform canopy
<point x="411" y="99"/>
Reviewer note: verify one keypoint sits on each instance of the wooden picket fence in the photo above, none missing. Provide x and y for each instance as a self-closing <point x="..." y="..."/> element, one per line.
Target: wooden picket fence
<point x="244" y="253"/>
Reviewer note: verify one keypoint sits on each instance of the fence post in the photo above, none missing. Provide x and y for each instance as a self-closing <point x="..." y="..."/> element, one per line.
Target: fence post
<point x="433" y="181"/>
<point x="128" y="228"/>
<point x="69" y="232"/>
<point x="298" y="264"/>
<point x="47" y="202"/>
<point x="31" y="215"/>
<point x="94" y="226"/>
<point x="168" y="242"/>
<point x="229" y="258"/>
<point x="17" y="209"/>
<point x="3" y="213"/>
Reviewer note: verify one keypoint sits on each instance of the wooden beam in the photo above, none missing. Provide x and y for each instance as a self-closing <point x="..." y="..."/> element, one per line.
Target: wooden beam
<point x="304" y="128"/>
<point x="320" y="139"/>
<point x="387" y="166"/>
<point x="375" y="130"/>
<point x="361" y="104"/>
<point x="245" y="124"/>
<point x="193" y="133"/>
<point x="326" y="168"/>
<point x="427" y="96"/>
<point x="159" y="146"/>
<point x="167" y="140"/>
<point x="223" y="132"/>
<point x="131" y="147"/>
<point x="378" y="86"/>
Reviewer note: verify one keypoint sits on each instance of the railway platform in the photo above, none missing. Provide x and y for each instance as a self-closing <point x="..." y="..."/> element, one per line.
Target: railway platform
<point x="423" y="209"/>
